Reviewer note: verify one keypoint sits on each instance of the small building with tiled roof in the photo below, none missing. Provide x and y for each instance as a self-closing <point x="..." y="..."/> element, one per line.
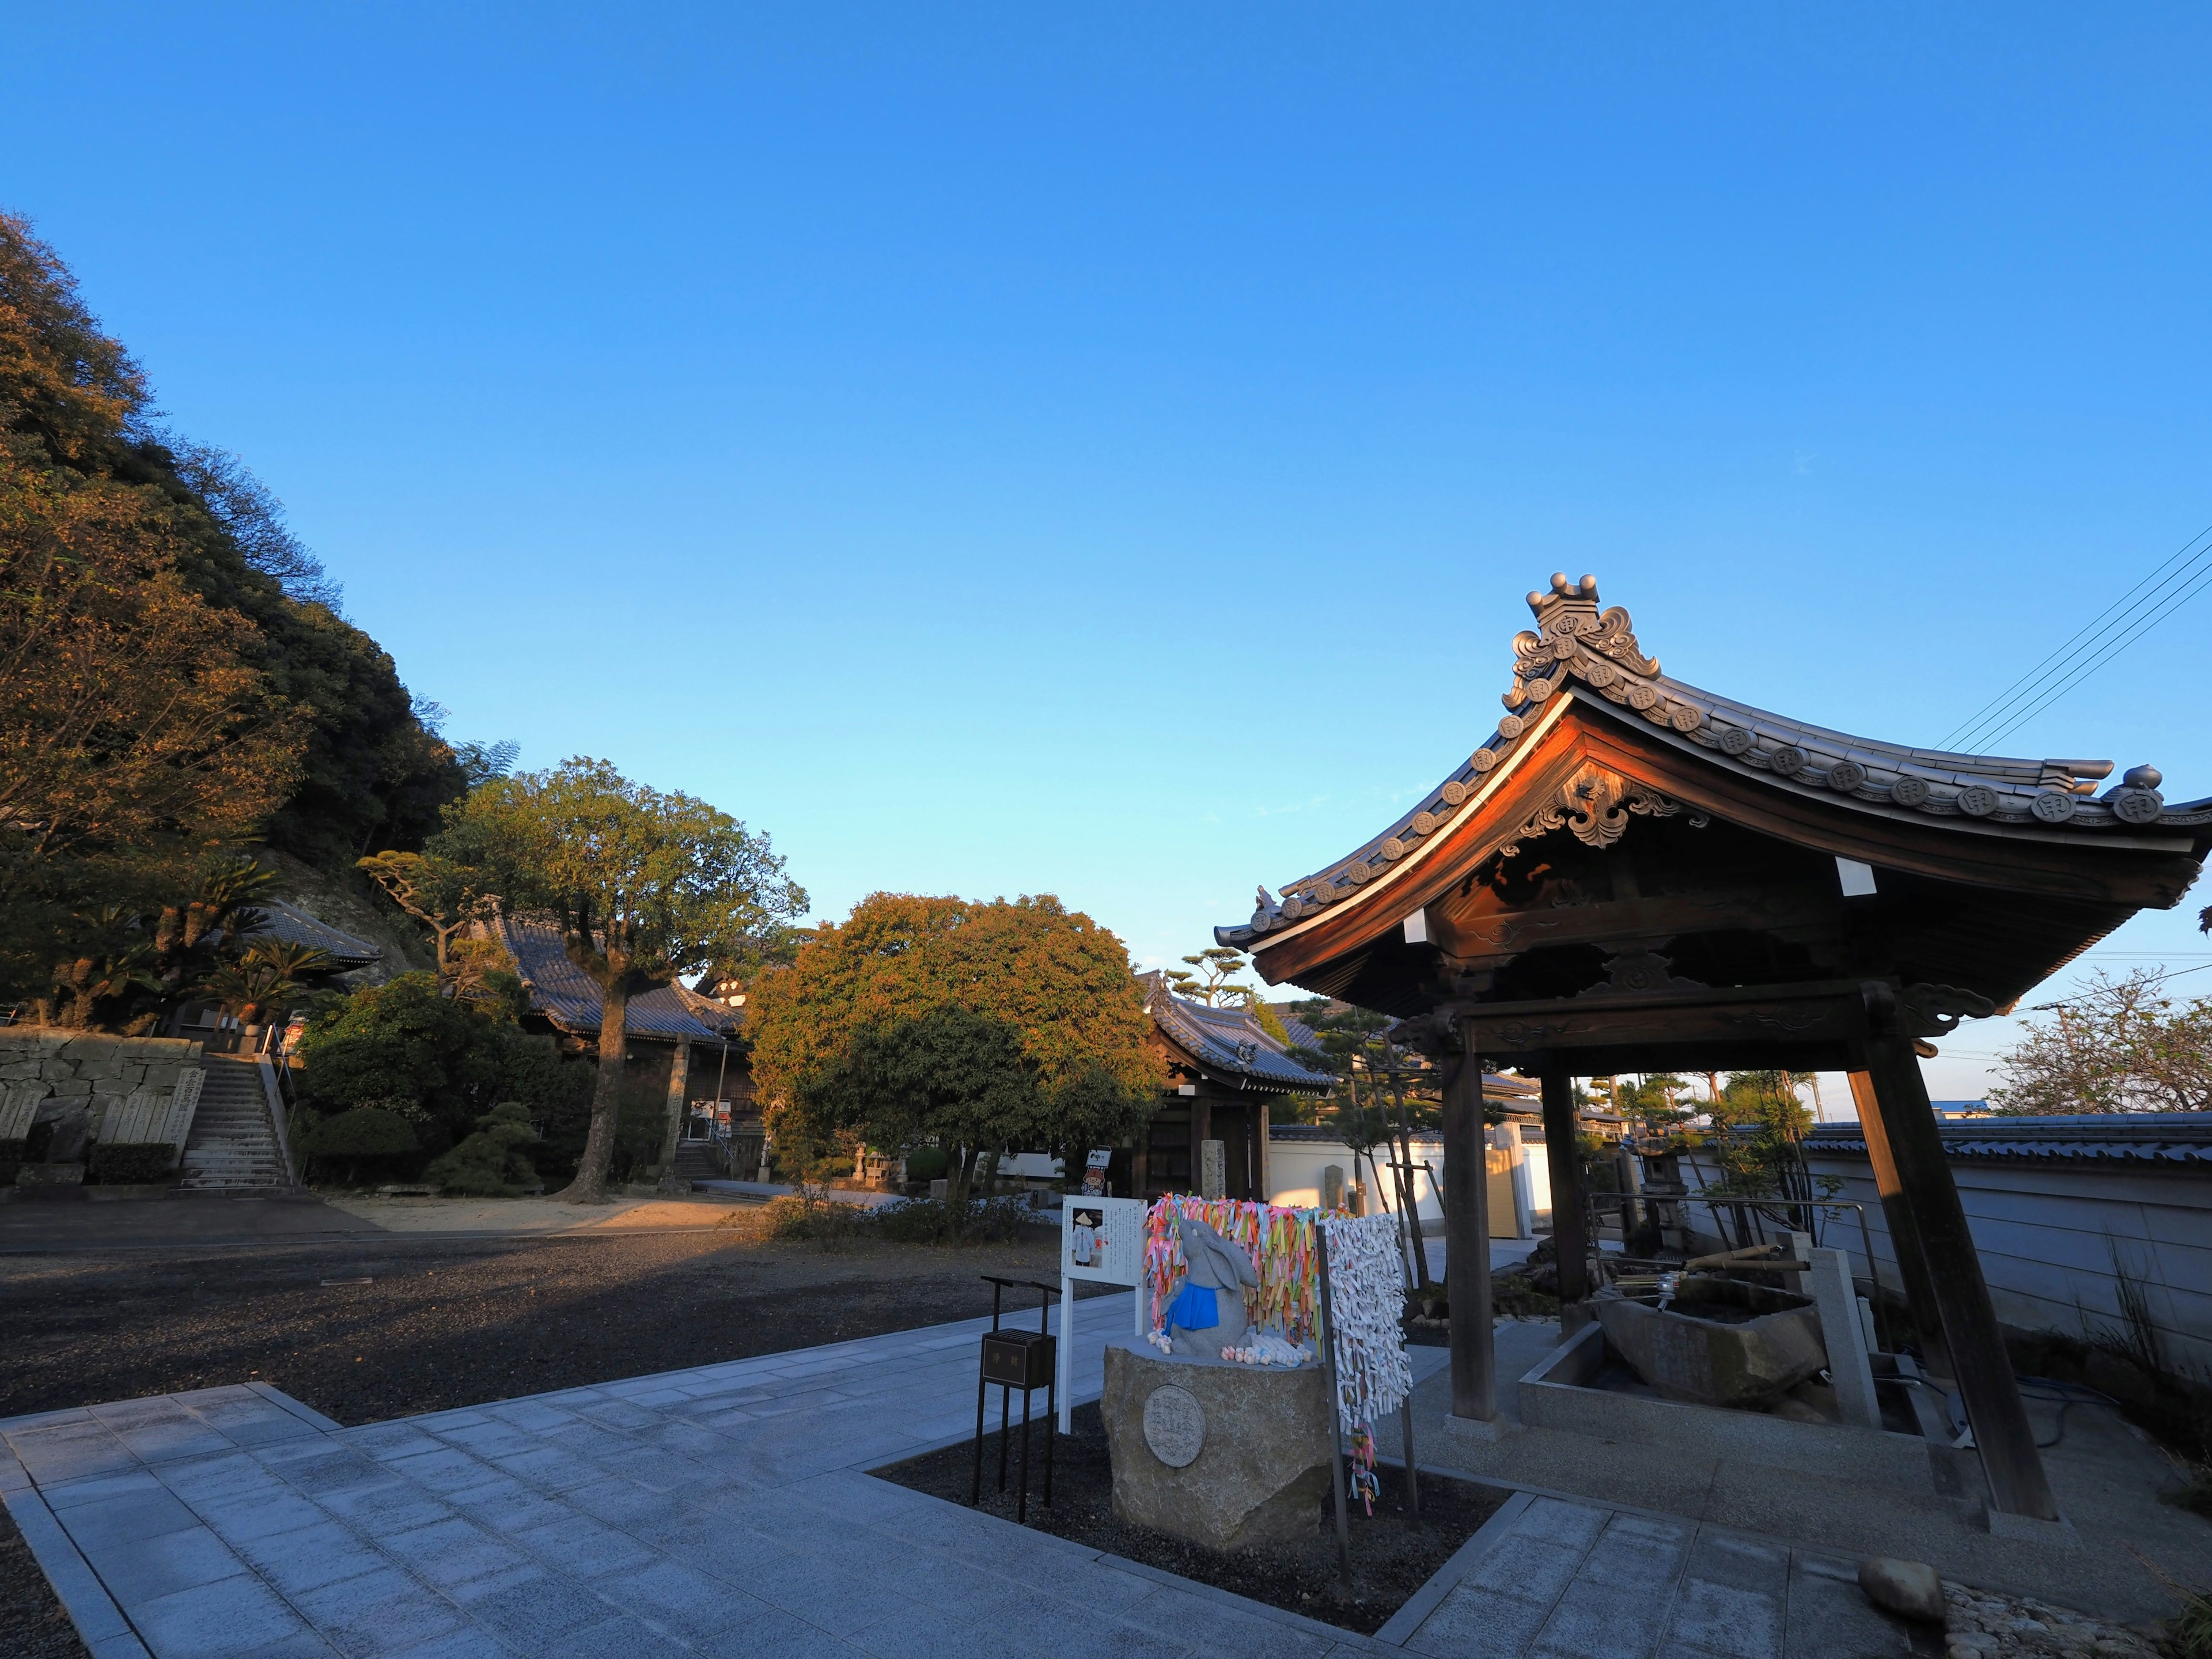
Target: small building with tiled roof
<point x="1224" y="1070"/>
<point x="293" y="926"/>
<point x="685" y="1054"/>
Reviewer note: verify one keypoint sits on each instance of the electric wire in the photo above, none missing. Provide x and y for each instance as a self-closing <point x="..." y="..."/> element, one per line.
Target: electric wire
<point x="2112" y="629"/>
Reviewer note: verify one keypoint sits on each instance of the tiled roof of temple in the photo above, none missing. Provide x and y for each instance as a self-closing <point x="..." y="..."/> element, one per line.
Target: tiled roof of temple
<point x="1578" y="654"/>
<point x="2168" y="1139"/>
<point x="295" y="926"/>
<point x="1232" y="1041"/>
<point x="564" y="994"/>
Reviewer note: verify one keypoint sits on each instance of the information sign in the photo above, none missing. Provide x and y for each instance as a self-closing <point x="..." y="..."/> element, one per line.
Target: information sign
<point x="1102" y="1240"/>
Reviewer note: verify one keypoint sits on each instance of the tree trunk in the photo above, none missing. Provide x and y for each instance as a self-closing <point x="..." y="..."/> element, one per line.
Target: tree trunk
<point x="590" y="1186"/>
<point x="960" y="1177"/>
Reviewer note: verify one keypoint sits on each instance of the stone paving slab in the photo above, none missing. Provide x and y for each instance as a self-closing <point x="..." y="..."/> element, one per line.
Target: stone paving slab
<point x="725" y="1510"/>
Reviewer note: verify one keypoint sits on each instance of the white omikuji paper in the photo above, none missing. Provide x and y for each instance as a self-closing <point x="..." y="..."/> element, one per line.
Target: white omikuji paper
<point x="1367" y="1303"/>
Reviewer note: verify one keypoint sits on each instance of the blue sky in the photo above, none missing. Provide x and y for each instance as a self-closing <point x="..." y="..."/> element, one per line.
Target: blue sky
<point x="1101" y="451"/>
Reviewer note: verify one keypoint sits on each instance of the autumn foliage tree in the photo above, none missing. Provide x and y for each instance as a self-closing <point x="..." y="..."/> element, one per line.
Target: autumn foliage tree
<point x="983" y="1027"/>
<point x="644" y="887"/>
<point x="174" y="676"/>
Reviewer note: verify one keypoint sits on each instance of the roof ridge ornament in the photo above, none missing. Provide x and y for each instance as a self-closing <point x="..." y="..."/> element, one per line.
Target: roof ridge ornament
<point x="1573" y="639"/>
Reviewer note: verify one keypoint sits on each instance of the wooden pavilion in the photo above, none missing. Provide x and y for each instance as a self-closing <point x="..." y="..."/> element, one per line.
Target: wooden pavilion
<point x="1631" y="874"/>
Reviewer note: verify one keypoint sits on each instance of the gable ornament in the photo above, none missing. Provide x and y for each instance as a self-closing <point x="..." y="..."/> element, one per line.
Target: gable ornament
<point x="1595" y="806"/>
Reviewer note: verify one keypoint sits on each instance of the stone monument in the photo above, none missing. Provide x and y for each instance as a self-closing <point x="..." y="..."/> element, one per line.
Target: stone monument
<point x="1223" y="1455"/>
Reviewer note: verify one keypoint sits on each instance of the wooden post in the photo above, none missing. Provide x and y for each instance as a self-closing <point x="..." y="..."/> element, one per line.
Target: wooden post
<point x="1467" y="1243"/>
<point x="2002" y="1434"/>
<point x="1560" y="1133"/>
<point x="1903" y="1231"/>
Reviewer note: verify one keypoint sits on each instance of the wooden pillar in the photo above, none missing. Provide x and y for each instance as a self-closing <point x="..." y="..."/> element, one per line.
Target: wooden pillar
<point x="1904" y="1230"/>
<point x="1560" y="1131"/>
<point x="2002" y="1435"/>
<point x="1466" y="1244"/>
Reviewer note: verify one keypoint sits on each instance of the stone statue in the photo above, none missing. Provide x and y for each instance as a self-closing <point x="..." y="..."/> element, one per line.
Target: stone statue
<point x="1208" y="1315"/>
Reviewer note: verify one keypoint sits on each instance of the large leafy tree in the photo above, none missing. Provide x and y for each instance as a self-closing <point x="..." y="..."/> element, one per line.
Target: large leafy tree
<point x="644" y="886"/>
<point x="173" y="673"/>
<point x="960" y="981"/>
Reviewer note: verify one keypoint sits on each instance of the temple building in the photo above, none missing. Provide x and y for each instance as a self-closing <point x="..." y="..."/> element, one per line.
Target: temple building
<point x="1224" y="1072"/>
<point x="1631" y="874"/>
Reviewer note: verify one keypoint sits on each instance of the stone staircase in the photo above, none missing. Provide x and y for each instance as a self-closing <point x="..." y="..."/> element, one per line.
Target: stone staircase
<point x="695" y="1163"/>
<point x="233" y="1146"/>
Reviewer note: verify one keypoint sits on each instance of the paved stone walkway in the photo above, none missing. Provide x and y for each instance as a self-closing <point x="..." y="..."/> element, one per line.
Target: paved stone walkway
<point x="724" y="1511"/>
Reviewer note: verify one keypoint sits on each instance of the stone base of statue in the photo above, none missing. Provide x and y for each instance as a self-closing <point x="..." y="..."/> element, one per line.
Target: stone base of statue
<point x="1222" y="1455"/>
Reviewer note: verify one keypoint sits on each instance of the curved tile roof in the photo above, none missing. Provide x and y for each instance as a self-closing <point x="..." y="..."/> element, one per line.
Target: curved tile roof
<point x="565" y="994"/>
<point x="293" y="925"/>
<point x="1232" y="1041"/>
<point x="2174" y="1139"/>
<point x="1578" y="653"/>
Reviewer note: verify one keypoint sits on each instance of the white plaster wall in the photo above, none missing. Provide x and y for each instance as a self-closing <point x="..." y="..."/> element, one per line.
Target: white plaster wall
<point x="2048" y="1235"/>
<point x="1294" y="1167"/>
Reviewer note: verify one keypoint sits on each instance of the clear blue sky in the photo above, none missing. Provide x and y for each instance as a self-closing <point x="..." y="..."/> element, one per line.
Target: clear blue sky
<point x="1101" y="450"/>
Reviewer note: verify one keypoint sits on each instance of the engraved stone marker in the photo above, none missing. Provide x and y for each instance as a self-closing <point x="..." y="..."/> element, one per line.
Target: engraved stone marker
<point x="1174" y="1426"/>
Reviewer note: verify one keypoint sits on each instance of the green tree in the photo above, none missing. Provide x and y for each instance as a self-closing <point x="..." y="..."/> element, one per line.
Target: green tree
<point x="1053" y="979"/>
<point x="2117" y="1045"/>
<point x="644" y="887"/>
<point x="951" y="1076"/>
<point x="442" y="1063"/>
<point x="441" y="892"/>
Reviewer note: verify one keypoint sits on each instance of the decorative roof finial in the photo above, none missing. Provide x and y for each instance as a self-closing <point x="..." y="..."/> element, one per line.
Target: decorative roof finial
<point x="1601" y="650"/>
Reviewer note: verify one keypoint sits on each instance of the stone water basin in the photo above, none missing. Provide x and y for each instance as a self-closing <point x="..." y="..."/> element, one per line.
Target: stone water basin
<point x="1718" y="1341"/>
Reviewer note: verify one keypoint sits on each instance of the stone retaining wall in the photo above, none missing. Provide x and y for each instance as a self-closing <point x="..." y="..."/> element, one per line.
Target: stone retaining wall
<point x="133" y="1090"/>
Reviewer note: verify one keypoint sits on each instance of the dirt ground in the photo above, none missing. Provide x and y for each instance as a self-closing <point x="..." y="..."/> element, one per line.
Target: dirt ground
<point x="1392" y="1555"/>
<point x="374" y="1325"/>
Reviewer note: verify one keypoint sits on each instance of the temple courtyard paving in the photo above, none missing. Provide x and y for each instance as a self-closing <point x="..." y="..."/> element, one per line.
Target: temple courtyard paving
<point x="725" y="1510"/>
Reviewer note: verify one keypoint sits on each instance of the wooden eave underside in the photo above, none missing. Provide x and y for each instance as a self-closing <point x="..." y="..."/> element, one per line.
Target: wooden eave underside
<point x="2076" y="887"/>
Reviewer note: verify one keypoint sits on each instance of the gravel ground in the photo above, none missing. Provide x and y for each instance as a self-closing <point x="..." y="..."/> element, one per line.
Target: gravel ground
<point x="1391" y="1557"/>
<point x="438" y="1322"/>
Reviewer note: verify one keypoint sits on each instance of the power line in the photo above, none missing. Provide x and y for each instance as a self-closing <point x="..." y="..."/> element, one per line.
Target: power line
<point x="2202" y="580"/>
<point x="2110" y="630"/>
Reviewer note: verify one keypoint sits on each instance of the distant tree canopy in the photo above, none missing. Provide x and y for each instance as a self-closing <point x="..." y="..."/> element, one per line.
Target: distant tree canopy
<point x="172" y="674"/>
<point x="2117" y="1046"/>
<point x="644" y="887"/>
<point x="986" y="1027"/>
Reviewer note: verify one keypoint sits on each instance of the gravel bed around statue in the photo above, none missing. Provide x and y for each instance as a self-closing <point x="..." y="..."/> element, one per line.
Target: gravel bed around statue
<point x="1391" y="1558"/>
<point x="1983" y="1623"/>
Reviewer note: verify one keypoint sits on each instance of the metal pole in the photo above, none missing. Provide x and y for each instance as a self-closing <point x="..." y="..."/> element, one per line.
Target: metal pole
<point x="1412" y="1479"/>
<point x="1335" y="1415"/>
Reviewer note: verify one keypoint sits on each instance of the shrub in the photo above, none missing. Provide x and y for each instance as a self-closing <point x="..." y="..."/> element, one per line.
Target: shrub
<point x="808" y="1215"/>
<point x="366" y="1132"/>
<point x="492" y="1162"/>
<point x="926" y="1163"/>
<point x="131" y="1164"/>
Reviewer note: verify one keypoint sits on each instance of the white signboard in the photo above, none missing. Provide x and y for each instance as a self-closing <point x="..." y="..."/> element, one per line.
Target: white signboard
<point x="1102" y="1240"/>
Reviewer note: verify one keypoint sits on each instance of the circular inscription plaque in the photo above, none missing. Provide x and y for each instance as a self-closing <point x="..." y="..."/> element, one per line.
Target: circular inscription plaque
<point x="1174" y="1426"/>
